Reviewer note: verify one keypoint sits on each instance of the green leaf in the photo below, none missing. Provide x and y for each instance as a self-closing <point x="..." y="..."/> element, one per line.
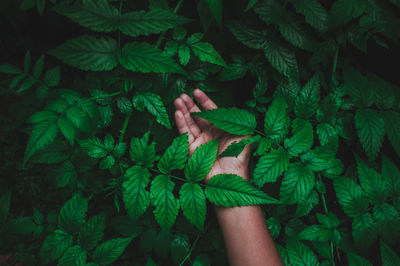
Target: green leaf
<point x="4" y="207"/>
<point x="318" y="159"/>
<point x="276" y="122"/>
<point x="135" y="195"/>
<point x="358" y="87"/>
<point x="270" y="11"/>
<point x="64" y="174"/>
<point x="144" y="57"/>
<point x="388" y="256"/>
<point x="175" y="156"/>
<point x="305" y="206"/>
<point x="235" y="148"/>
<point x="300" y="254"/>
<point x="42" y="135"/>
<point x="327" y="134"/>
<point x="388" y="222"/>
<point x="314" y="12"/>
<point x="372" y="183"/>
<point x="384" y="97"/>
<point x="146" y="23"/>
<point x="231" y="190"/>
<point x="216" y="7"/>
<point x="364" y="231"/>
<point x="355" y="260"/>
<point x="343" y="11"/>
<point x="120" y="149"/>
<point x="179" y="33"/>
<point x="350" y="196"/>
<point x="302" y="139"/>
<point x="297" y="183"/>
<point x="9" y="69"/>
<point x="154" y="104"/>
<point x="233" y="71"/>
<point x="193" y="203"/>
<point x="75" y="255"/>
<point x="88" y="53"/>
<point x="162" y="198"/>
<point x="391" y="176"/>
<point x="55" y="245"/>
<point x="292" y="30"/>
<point x="110" y="250"/>
<point x="248" y="35"/>
<point x="94" y="147"/>
<point x="232" y="120"/>
<point x="67" y="129"/>
<point x="180" y="246"/>
<point x="107" y="162"/>
<point x="142" y="152"/>
<point x="73" y="214"/>
<point x="315" y="232"/>
<point x="184" y="54"/>
<point x="38" y="68"/>
<point x="201" y="161"/>
<point x="270" y="167"/>
<point x="371" y="130"/>
<point x="392" y="128"/>
<point x="97" y="15"/>
<point x="56" y="152"/>
<point x="206" y="53"/>
<point x="307" y="103"/>
<point x="92" y="232"/>
<point x="282" y="59"/>
<point x="125" y="105"/>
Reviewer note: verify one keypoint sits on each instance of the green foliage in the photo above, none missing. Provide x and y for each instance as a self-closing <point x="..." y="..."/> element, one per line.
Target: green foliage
<point x="231" y="120"/>
<point x="322" y="125"/>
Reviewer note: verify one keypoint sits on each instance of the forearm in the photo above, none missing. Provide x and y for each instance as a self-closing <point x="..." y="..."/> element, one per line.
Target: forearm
<point x="246" y="236"/>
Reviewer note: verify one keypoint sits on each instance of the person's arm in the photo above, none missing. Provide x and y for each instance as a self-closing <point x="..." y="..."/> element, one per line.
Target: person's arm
<point x="246" y="236"/>
<point x="245" y="232"/>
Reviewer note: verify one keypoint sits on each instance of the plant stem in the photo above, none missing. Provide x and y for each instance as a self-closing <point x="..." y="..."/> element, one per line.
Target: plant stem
<point x="124" y="127"/>
<point x="335" y="59"/>
<point x="162" y="35"/>
<point x="327" y="212"/>
<point x="191" y="249"/>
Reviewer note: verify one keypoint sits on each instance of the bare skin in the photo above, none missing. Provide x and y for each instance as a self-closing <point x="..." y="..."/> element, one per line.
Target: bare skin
<point x="246" y="235"/>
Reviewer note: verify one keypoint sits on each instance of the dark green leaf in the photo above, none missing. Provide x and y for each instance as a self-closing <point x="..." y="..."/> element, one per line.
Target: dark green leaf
<point x="164" y="201"/>
<point x="110" y="250"/>
<point x="73" y="214"/>
<point x="193" y="203"/>
<point x="154" y="104"/>
<point x="232" y="120"/>
<point x="143" y="57"/>
<point x="88" y="53"/>
<point x="135" y="195"/>
<point x="201" y="161"/>
<point x="231" y="190"/>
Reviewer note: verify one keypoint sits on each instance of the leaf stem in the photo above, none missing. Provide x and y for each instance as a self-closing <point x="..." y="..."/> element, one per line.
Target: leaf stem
<point x="327" y="212"/>
<point x="162" y="35"/>
<point x="124" y="127"/>
<point x="191" y="249"/>
<point x="335" y="60"/>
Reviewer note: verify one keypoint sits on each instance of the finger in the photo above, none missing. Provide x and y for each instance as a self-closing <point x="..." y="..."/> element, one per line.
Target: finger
<point x="204" y="100"/>
<point x="181" y="106"/>
<point x="193" y="108"/>
<point x="182" y="125"/>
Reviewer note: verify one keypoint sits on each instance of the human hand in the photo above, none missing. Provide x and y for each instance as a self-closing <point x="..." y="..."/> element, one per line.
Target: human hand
<point x="200" y="131"/>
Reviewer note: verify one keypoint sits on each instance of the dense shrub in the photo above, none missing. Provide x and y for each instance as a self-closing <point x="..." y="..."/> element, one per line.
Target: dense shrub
<point x="93" y="169"/>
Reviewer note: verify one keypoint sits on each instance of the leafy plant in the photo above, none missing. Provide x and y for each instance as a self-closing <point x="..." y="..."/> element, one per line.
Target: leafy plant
<point x="95" y="174"/>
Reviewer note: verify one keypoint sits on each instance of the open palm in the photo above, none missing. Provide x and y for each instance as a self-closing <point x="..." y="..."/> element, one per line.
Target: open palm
<point x="200" y="131"/>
